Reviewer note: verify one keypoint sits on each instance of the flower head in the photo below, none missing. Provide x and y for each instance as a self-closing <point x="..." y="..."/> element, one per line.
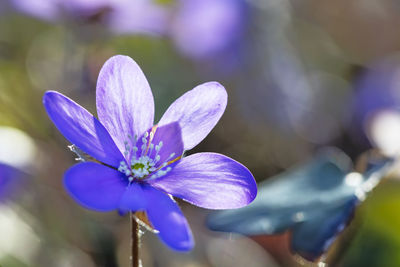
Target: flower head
<point x="140" y="164"/>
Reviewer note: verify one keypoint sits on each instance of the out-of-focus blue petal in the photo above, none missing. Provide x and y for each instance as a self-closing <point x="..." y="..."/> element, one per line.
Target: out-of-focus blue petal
<point x="209" y="180"/>
<point x="197" y="112"/>
<point x="312" y="238"/>
<point x="167" y="218"/>
<point x="323" y="190"/>
<point x="96" y="186"/>
<point x="9" y="177"/>
<point x="81" y="128"/>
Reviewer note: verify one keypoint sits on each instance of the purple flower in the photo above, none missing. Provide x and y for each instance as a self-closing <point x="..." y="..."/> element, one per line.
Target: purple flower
<point x="205" y="28"/>
<point x="199" y="28"/>
<point x="140" y="164"/>
<point x="52" y="10"/>
<point x="139" y="16"/>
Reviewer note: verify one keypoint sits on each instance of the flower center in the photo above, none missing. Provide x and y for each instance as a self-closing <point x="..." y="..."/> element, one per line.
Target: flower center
<point x="144" y="163"/>
<point x="138" y="166"/>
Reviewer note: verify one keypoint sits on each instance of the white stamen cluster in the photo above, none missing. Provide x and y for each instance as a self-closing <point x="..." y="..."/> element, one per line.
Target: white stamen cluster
<point x="144" y="165"/>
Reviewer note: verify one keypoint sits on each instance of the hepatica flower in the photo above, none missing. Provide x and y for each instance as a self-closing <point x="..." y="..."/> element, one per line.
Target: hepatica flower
<point x="138" y="166"/>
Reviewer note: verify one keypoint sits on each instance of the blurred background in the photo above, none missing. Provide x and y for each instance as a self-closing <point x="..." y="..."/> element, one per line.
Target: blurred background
<point x="300" y="75"/>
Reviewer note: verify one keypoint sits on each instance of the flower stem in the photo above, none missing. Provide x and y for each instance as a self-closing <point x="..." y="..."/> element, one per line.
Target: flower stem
<point x="135" y="240"/>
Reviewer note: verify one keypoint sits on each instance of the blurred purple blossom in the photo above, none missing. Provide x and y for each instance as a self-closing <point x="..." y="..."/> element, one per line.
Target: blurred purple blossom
<point x="53" y="10"/>
<point x="9" y="177"/>
<point x="200" y="29"/>
<point x="377" y="105"/>
<point x="139" y="16"/>
<point x="205" y="28"/>
<point x="142" y="164"/>
<point x="378" y="88"/>
<point x="17" y="152"/>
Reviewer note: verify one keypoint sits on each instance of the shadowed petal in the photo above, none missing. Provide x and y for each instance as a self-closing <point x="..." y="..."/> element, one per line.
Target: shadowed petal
<point x="167" y="218"/>
<point x="95" y="186"/>
<point x="133" y="199"/>
<point x="197" y="112"/>
<point x="211" y="181"/>
<point x="314" y="236"/>
<point x="124" y="100"/>
<point x="171" y="136"/>
<point x="81" y="128"/>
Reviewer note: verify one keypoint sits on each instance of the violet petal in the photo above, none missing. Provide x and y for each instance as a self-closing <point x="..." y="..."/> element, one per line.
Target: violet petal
<point x="125" y="103"/>
<point x="209" y="180"/>
<point x="132" y="199"/>
<point x="168" y="219"/>
<point x="197" y="112"/>
<point x="81" y="128"/>
<point x="95" y="186"/>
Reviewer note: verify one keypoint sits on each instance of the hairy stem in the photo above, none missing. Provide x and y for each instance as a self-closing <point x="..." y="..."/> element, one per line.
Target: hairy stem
<point x="135" y="241"/>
